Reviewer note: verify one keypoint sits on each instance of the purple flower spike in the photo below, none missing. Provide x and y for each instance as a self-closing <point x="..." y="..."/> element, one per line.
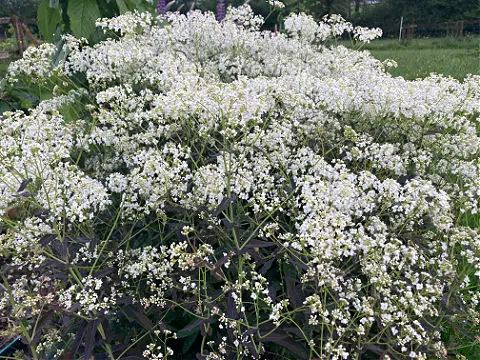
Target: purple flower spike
<point x="161" y="7"/>
<point x="221" y="11"/>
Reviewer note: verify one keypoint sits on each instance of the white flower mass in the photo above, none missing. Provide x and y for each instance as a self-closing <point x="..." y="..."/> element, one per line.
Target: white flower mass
<point x="355" y="178"/>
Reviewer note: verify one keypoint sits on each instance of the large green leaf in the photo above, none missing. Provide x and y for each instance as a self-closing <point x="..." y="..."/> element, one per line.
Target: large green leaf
<point x="122" y="7"/>
<point x="4" y="106"/>
<point x="82" y="15"/>
<point x="48" y="19"/>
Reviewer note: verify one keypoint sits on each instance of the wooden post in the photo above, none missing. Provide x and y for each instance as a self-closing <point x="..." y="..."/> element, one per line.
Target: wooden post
<point x="401" y="29"/>
<point x="459" y="28"/>
<point x="410" y="30"/>
<point x="452" y="28"/>
<point x="18" y="34"/>
<point x="357" y="6"/>
<point x="30" y="35"/>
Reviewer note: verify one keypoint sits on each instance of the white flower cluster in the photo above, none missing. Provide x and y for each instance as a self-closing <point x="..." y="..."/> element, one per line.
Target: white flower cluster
<point x="244" y="16"/>
<point x="127" y="24"/>
<point x="366" y="35"/>
<point x="305" y="27"/>
<point x="36" y="149"/>
<point x="35" y="64"/>
<point x="239" y="139"/>
<point x="156" y="266"/>
<point x="276" y="3"/>
<point x="155" y="352"/>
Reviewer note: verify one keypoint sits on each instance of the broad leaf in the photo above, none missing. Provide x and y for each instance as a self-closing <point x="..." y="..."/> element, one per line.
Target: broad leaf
<point x="48" y="20"/>
<point x="122" y="7"/>
<point x="139" y="316"/>
<point x="4" y="107"/>
<point x="82" y="15"/>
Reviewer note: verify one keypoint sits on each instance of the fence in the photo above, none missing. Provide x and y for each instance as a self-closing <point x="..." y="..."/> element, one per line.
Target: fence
<point x="456" y="29"/>
<point x="21" y="31"/>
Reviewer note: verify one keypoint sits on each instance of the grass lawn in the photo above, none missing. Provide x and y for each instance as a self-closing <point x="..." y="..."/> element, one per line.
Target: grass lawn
<point x="418" y="58"/>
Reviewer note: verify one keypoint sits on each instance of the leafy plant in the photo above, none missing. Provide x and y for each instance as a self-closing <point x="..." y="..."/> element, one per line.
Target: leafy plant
<point x="196" y="189"/>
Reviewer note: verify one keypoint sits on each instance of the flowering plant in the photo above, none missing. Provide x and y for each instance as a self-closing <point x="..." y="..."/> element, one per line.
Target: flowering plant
<point x="204" y="189"/>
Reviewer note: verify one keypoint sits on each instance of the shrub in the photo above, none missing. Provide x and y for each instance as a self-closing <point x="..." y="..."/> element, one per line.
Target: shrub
<point x="210" y="191"/>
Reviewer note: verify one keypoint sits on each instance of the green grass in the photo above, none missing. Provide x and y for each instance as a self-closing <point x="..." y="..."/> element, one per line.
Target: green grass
<point x="419" y="57"/>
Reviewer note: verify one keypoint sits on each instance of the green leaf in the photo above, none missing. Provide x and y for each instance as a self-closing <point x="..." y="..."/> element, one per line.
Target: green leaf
<point x="189" y="341"/>
<point x="122" y="7"/>
<point x="139" y="5"/>
<point x="48" y="19"/>
<point x="4" y="106"/>
<point x="82" y="15"/>
<point x="53" y="4"/>
<point x="26" y="104"/>
<point x="73" y="111"/>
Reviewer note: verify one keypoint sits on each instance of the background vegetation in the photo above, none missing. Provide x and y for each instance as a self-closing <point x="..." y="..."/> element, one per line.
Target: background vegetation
<point x="366" y="12"/>
<point x="418" y="58"/>
<point x="22" y="8"/>
<point x="386" y="13"/>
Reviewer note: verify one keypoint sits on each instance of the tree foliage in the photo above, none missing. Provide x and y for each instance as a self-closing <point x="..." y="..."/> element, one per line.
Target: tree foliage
<point x="319" y="8"/>
<point x="21" y="8"/>
<point x="388" y="12"/>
